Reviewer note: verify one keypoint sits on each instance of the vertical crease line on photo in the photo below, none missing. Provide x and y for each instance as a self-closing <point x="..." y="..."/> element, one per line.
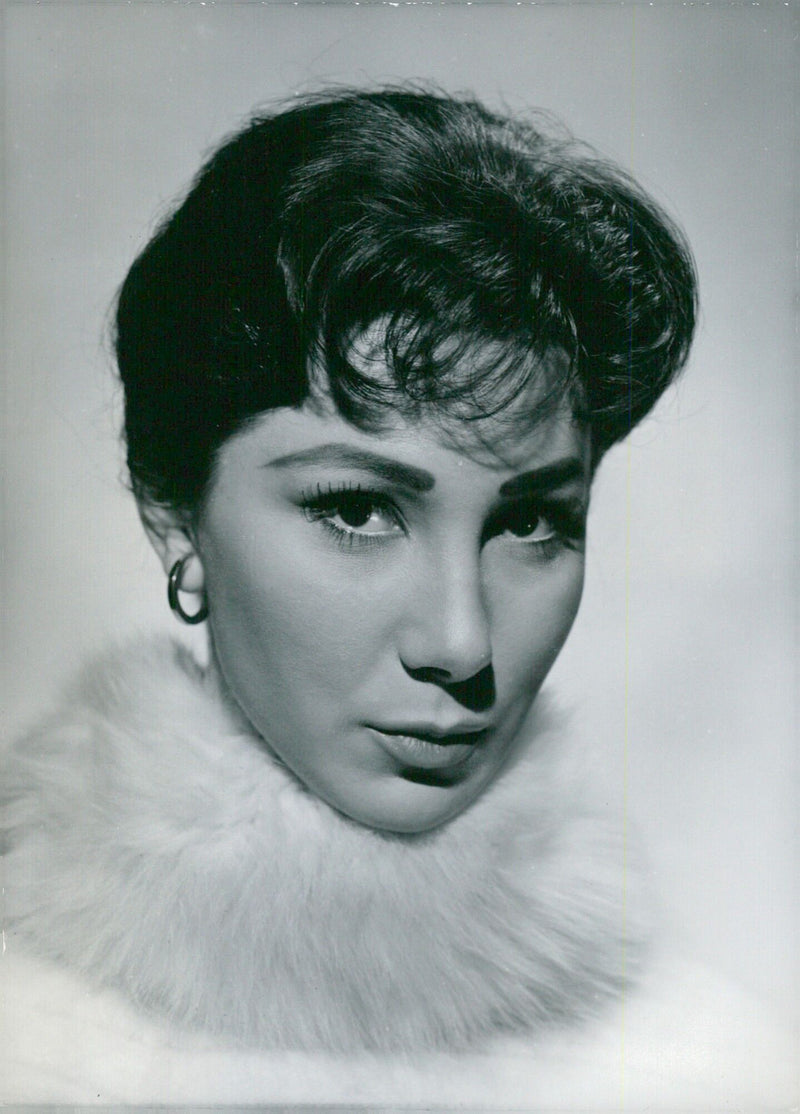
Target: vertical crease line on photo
<point x="627" y="653"/>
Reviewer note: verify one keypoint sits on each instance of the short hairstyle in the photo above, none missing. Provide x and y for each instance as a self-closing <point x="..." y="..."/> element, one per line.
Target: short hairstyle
<point x="449" y="224"/>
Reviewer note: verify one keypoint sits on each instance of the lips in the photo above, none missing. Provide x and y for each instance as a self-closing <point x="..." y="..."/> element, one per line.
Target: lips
<point x="434" y="731"/>
<point x="431" y="748"/>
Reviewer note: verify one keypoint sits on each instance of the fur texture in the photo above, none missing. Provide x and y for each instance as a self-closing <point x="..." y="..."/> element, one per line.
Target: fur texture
<point x="155" y="845"/>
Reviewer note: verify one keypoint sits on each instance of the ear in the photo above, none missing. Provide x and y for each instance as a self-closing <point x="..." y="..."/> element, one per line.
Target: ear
<point x="172" y="537"/>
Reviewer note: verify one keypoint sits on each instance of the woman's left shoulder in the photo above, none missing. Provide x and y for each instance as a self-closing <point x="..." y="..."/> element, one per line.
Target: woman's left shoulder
<point x="685" y="1038"/>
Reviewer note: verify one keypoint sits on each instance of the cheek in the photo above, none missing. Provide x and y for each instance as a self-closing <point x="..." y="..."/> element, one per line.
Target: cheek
<point x="286" y="621"/>
<point x="532" y="621"/>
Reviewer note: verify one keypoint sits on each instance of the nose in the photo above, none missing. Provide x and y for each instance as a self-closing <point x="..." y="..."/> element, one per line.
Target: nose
<point x="446" y="635"/>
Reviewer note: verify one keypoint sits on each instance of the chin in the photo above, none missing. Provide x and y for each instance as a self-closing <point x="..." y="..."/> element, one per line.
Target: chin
<point x="412" y="808"/>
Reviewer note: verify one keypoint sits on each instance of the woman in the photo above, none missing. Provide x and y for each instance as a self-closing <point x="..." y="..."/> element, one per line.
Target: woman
<point x="370" y="363"/>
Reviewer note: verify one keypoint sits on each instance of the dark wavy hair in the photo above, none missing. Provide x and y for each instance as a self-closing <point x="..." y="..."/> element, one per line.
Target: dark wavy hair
<point x="462" y="232"/>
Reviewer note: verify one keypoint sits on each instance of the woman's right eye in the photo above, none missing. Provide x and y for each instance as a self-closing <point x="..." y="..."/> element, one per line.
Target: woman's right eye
<point x="361" y="512"/>
<point x="353" y="513"/>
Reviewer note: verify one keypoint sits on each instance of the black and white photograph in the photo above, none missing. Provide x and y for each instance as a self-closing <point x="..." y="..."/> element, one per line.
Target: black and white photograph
<point x="400" y="543"/>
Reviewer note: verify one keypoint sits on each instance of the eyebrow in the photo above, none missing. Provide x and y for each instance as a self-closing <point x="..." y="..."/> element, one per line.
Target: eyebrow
<point x="549" y="476"/>
<point x="556" y="474"/>
<point x="405" y="475"/>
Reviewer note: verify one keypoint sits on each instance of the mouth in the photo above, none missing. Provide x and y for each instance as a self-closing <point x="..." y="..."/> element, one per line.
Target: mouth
<point x="429" y="750"/>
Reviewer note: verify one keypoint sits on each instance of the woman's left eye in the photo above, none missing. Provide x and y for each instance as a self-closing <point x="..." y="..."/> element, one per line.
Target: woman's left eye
<point x="529" y="525"/>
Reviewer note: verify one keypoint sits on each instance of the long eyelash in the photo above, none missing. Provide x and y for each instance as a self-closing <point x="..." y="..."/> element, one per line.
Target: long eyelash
<point x="326" y="496"/>
<point x="317" y="503"/>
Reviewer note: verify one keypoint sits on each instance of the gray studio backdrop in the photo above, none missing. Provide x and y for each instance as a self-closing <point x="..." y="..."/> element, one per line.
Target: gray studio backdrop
<point x="681" y="664"/>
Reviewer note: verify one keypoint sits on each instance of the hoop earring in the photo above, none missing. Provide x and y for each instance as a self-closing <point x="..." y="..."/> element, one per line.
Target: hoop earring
<point x="173" y="587"/>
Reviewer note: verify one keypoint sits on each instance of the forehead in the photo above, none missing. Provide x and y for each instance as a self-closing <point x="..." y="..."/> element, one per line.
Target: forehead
<point x="520" y="410"/>
<point x="390" y="370"/>
<point x="482" y="455"/>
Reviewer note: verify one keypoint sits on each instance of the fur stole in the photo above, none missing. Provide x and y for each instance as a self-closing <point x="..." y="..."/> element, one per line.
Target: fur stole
<point x="153" y="844"/>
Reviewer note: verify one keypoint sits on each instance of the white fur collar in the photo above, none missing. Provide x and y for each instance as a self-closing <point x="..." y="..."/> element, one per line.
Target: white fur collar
<point x="156" y="846"/>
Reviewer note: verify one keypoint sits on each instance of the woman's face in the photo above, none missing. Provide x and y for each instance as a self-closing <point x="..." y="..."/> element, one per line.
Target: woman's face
<point x="384" y="607"/>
